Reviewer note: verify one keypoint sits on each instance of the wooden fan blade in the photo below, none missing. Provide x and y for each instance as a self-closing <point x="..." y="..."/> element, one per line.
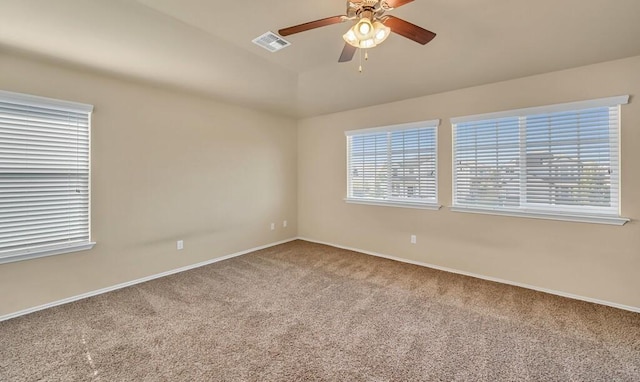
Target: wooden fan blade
<point x="398" y="3"/>
<point x="408" y="30"/>
<point x="347" y="53"/>
<point x="311" y="25"/>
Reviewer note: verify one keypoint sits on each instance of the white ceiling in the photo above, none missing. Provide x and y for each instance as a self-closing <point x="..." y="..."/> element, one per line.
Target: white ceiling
<point x="205" y="45"/>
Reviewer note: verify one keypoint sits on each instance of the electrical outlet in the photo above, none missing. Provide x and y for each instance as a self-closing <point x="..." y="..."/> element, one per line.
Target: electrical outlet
<point x="273" y="226"/>
<point x="413" y="239"/>
<point x="284" y="224"/>
<point x="180" y="244"/>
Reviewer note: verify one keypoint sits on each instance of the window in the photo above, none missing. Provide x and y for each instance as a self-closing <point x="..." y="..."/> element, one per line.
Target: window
<point x="44" y="176"/>
<point x="557" y="162"/>
<point x="394" y="165"/>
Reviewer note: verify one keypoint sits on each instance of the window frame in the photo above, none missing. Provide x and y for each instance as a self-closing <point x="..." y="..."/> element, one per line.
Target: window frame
<point x="37" y="251"/>
<point x="394" y="202"/>
<point x="528" y="210"/>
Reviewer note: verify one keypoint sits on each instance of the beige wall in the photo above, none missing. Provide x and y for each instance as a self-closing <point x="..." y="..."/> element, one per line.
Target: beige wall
<point x="165" y="166"/>
<point x="170" y="165"/>
<point x="589" y="260"/>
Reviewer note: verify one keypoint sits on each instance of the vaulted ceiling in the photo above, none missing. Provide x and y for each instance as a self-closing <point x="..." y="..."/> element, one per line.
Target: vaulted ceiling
<point x="205" y="45"/>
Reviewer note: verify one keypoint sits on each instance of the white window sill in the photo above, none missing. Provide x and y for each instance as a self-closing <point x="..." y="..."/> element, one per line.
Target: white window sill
<point x="612" y="220"/>
<point x="19" y="255"/>
<point x="394" y="203"/>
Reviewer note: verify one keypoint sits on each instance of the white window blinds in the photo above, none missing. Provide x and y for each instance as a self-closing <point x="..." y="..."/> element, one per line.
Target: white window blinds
<point x="560" y="159"/>
<point x="395" y="164"/>
<point x="44" y="176"/>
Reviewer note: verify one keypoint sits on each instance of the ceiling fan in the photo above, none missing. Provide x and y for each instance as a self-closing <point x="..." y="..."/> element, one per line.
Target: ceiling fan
<point x="371" y="28"/>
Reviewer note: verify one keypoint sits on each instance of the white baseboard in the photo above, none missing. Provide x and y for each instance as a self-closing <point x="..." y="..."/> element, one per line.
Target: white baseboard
<point x="478" y="276"/>
<point x="137" y="281"/>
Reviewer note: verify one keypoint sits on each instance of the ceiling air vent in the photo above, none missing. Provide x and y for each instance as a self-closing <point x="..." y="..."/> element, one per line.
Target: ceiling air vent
<point x="271" y="42"/>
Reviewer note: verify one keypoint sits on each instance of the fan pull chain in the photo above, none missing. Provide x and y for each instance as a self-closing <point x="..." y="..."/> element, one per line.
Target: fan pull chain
<point x="366" y="57"/>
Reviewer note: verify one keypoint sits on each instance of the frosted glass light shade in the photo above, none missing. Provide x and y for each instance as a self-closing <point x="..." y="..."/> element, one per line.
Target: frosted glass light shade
<point x="380" y="32"/>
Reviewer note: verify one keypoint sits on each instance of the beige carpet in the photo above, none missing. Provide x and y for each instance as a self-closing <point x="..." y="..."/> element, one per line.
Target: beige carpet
<point x="308" y="312"/>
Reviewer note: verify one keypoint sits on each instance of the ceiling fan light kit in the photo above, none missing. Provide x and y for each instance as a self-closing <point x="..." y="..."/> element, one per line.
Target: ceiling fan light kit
<point x="371" y="28"/>
<point x="365" y="34"/>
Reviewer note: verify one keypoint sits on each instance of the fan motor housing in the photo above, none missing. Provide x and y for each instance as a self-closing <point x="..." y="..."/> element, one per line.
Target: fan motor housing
<point x="366" y="8"/>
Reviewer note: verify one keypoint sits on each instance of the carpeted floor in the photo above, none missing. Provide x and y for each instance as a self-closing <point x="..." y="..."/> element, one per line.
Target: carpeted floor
<point x="308" y="312"/>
